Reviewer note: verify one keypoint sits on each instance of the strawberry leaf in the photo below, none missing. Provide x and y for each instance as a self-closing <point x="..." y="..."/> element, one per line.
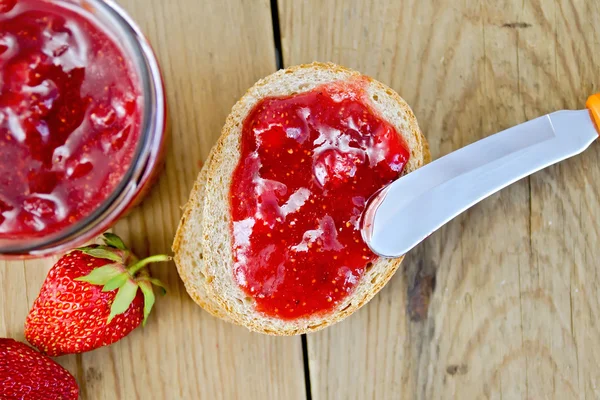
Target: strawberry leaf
<point x="84" y="249"/>
<point x="149" y="299"/>
<point x="113" y="240"/>
<point x="101" y="252"/>
<point x="123" y="299"/>
<point x="156" y="282"/>
<point x="102" y="275"/>
<point x="116" y="282"/>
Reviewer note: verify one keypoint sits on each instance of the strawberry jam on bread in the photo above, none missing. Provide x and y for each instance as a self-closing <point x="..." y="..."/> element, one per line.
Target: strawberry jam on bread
<point x="308" y="164"/>
<point x="270" y="236"/>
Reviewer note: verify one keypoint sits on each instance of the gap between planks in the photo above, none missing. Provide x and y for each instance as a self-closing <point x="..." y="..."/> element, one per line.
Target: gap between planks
<point x="279" y="62"/>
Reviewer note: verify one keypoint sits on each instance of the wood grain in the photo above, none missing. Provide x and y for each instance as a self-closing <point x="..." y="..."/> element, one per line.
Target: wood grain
<point x="502" y="302"/>
<point x="211" y="52"/>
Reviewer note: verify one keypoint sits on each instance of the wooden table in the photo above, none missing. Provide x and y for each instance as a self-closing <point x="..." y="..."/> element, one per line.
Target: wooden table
<point x="501" y="303"/>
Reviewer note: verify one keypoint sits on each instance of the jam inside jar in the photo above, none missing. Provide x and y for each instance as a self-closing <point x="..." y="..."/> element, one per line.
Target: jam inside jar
<point x="82" y="121"/>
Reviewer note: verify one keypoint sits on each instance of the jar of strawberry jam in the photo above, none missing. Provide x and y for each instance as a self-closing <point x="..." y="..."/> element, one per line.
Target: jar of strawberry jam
<point x="82" y="122"/>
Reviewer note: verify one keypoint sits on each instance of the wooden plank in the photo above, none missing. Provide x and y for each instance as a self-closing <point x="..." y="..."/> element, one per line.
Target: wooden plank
<point x="211" y="52"/>
<point x="500" y="303"/>
<point x="565" y="205"/>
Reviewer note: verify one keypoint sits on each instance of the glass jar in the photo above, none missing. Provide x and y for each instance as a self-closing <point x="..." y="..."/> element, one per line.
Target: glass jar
<point x="148" y="156"/>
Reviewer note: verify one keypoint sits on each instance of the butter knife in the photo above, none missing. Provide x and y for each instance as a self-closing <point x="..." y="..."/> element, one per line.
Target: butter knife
<point x="407" y="211"/>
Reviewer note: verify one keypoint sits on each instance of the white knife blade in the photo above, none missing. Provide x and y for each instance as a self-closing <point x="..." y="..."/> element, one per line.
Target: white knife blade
<point x="410" y="209"/>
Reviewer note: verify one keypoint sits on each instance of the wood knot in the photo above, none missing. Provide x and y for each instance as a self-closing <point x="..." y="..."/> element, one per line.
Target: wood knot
<point x="457" y="369"/>
<point x="93" y="375"/>
<point x="517" y="25"/>
<point x="419" y="296"/>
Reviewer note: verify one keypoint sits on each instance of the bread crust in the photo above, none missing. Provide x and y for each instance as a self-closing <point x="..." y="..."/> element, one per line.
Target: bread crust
<point x="202" y="243"/>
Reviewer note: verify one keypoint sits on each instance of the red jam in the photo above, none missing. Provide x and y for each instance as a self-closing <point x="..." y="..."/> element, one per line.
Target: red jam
<point x="70" y="116"/>
<point x="308" y="164"/>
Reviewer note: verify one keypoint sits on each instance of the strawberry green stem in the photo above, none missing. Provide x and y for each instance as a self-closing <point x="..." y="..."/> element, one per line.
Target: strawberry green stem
<point x="142" y="263"/>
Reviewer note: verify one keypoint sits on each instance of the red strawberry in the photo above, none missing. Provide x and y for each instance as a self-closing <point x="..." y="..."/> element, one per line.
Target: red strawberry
<point x="27" y="374"/>
<point x="90" y="299"/>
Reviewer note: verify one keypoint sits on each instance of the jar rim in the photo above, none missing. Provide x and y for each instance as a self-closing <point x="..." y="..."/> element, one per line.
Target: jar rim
<point x="146" y="152"/>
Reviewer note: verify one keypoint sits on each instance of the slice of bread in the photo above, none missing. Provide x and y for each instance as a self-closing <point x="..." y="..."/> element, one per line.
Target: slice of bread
<point x="202" y="246"/>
